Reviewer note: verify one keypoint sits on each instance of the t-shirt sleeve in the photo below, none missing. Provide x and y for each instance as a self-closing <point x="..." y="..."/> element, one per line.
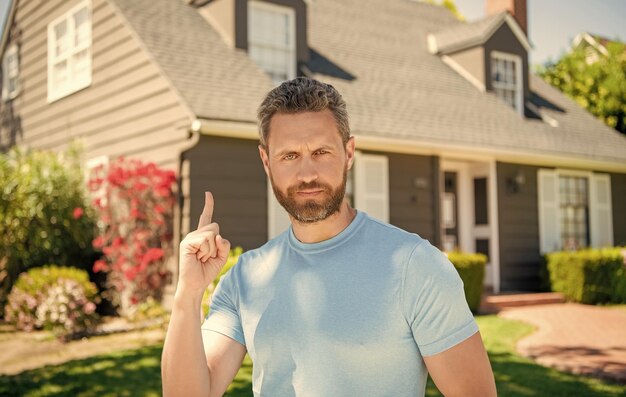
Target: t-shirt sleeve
<point x="224" y="316"/>
<point x="434" y="302"/>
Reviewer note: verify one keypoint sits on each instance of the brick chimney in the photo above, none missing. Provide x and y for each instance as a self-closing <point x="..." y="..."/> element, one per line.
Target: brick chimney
<point x="517" y="8"/>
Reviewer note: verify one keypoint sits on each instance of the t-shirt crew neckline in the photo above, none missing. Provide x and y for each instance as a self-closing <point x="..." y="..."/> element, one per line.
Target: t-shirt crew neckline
<point x="332" y="242"/>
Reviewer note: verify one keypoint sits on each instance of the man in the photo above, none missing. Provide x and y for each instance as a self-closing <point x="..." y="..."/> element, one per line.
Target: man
<point x="338" y="305"/>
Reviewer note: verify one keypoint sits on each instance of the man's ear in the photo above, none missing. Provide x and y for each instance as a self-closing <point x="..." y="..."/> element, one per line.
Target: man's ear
<point x="350" y="147"/>
<point x="265" y="159"/>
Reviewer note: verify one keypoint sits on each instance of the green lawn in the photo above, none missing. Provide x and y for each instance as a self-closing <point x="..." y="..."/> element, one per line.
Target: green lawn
<point x="136" y="373"/>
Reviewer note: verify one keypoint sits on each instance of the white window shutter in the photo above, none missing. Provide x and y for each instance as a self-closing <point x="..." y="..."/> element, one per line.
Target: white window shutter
<point x="371" y="185"/>
<point x="600" y="211"/>
<point x="549" y="222"/>
<point x="277" y="218"/>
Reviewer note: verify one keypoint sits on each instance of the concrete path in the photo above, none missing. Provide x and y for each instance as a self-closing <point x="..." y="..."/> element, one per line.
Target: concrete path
<point x="577" y="338"/>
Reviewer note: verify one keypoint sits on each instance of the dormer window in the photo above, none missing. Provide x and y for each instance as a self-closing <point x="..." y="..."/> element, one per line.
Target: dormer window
<point x="272" y="39"/>
<point x="506" y="73"/>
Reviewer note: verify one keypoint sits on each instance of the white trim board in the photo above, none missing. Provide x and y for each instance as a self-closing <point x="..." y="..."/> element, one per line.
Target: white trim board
<point x="248" y="130"/>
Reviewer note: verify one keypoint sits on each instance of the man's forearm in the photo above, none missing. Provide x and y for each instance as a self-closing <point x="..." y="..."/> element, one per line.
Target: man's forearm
<point x="184" y="369"/>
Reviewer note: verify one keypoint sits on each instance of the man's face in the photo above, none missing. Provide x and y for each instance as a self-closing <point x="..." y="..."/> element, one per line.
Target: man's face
<point x="307" y="164"/>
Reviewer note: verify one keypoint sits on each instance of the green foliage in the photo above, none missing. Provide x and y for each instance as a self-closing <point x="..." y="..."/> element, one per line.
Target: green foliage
<point x="589" y="276"/>
<point x="43" y="215"/>
<point x="471" y="268"/>
<point x="233" y="257"/>
<point x="149" y="312"/>
<point x="59" y="299"/>
<point x="599" y="87"/>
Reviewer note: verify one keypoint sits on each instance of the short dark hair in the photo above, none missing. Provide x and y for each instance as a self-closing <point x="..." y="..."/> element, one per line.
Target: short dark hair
<point x="302" y="94"/>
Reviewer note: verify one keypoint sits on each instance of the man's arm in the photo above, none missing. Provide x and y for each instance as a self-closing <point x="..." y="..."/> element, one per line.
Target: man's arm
<point x="190" y="367"/>
<point x="463" y="370"/>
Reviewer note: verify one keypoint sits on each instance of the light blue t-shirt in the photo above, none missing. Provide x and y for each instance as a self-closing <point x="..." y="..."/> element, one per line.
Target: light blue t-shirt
<point x="349" y="316"/>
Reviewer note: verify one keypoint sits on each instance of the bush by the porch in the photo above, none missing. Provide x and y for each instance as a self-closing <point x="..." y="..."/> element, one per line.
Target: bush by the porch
<point x="471" y="268"/>
<point x="59" y="299"/>
<point x="588" y="276"/>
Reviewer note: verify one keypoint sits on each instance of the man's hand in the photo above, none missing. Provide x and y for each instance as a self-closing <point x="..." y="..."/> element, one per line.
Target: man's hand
<point x="203" y="253"/>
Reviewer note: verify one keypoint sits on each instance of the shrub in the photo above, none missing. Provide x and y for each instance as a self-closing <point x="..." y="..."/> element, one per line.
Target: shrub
<point x="43" y="213"/>
<point x="588" y="276"/>
<point x="233" y="257"/>
<point x="135" y="203"/>
<point x="471" y="268"/>
<point x="59" y="299"/>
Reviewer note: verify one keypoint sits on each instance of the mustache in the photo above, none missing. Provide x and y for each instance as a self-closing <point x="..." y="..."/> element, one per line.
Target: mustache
<point x="309" y="185"/>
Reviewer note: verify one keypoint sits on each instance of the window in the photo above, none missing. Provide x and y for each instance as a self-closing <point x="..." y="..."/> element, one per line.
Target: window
<point x="271" y="39"/>
<point x="371" y="185"/>
<point x="574" y="212"/>
<point x="506" y="79"/>
<point x="10" y="72"/>
<point x="69" y="52"/>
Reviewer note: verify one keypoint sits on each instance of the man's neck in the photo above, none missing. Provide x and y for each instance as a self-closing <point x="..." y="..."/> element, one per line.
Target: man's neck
<point x="326" y="229"/>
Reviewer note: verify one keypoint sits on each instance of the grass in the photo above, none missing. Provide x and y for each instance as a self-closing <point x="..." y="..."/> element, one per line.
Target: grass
<point x="136" y="373"/>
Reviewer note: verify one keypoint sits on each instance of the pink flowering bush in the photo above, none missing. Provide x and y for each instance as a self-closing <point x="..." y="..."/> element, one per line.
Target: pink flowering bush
<point x="59" y="299"/>
<point x="135" y="201"/>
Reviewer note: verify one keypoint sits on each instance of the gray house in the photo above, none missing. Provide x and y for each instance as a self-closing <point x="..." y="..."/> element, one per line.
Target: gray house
<point x="457" y="140"/>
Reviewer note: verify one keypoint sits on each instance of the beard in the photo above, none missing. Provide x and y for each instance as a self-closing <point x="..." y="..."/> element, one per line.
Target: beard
<point x="311" y="211"/>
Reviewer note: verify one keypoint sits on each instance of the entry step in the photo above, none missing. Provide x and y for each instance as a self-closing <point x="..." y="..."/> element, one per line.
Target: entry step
<point x="492" y="303"/>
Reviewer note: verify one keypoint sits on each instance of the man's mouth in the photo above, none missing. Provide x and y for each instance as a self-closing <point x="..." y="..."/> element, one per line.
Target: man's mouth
<point x="309" y="192"/>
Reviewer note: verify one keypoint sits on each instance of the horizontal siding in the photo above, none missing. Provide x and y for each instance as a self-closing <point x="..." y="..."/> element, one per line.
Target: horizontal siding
<point x="129" y="109"/>
<point x="232" y="171"/>
<point x="518" y="215"/>
<point x="413" y="208"/>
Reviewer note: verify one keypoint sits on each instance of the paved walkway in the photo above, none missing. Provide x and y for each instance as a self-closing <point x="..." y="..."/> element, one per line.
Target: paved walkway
<point x="576" y="338"/>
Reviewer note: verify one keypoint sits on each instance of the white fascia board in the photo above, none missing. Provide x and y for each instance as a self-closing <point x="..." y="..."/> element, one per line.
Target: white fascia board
<point x="366" y="141"/>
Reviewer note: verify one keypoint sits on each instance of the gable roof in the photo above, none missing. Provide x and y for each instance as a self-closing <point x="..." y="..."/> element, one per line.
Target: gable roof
<point x="394" y="87"/>
<point x="474" y="33"/>
<point x="215" y="80"/>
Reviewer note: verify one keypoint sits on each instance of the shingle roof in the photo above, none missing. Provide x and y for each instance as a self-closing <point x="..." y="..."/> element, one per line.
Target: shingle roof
<point x="376" y="55"/>
<point x="215" y="80"/>
<point x="473" y="33"/>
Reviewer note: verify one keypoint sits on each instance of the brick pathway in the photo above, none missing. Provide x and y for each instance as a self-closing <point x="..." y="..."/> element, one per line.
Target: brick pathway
<point x="576" y="338"/>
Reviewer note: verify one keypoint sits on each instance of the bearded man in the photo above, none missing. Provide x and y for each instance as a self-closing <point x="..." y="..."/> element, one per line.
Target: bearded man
<point x="340" y="304"/>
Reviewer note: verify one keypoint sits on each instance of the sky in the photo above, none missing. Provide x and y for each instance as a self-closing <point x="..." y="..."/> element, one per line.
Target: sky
<point x="553" y="24"/>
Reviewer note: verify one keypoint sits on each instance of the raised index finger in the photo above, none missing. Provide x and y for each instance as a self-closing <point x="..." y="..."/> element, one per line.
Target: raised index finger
<point x="207" y="212"/>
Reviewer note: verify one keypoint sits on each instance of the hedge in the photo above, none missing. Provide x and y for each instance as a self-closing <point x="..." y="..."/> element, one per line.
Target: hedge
<point x="588" y="276"/>
<point x="471" y="268"/>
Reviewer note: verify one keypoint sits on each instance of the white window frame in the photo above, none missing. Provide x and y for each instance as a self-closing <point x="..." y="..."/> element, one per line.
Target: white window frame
<point x="361" y="194"/>
<point x="73" y="83"/>
<point x="8" y="74"/>
<point x="519" y="82"/>
<point x="592" y="203"/>
<point x="291" y="47"/>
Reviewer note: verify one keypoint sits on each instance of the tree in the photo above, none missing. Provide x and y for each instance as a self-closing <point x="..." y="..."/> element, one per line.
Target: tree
<point x="599" y="87"/>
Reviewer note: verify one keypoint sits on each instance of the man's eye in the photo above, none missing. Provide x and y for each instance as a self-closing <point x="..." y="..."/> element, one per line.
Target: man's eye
<point x="290" y="156"/>
<point x="321" y="151"/>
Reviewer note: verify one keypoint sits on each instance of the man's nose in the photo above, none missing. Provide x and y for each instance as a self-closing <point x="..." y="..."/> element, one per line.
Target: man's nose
<point x="307" y="172"/>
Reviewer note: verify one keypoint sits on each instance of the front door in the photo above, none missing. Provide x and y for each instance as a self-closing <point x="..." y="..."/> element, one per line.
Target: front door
<point x="465" y="217"/>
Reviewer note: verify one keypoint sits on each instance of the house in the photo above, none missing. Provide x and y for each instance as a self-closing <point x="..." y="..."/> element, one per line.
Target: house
<point x="595" y="46"/>
<point x="457" y="140"/>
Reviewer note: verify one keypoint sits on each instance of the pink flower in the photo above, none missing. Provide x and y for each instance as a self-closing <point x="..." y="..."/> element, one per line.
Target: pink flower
<point x="100" y="266"/>
<point x="78" y="212"/>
